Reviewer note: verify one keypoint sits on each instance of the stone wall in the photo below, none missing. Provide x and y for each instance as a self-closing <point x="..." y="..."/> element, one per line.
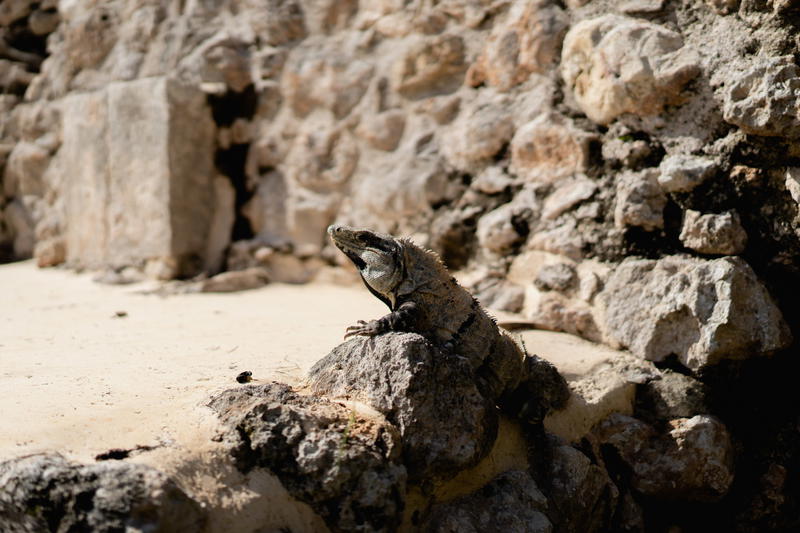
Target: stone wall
<point x="627" y="171"/>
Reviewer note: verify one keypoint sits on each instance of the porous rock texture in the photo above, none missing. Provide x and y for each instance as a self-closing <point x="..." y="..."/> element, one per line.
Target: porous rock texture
<point x="623" y="171"/>
<point x="46" y="492"/>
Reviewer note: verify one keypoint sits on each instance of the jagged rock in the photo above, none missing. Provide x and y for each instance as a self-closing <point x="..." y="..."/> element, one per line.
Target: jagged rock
<point x="21" y="226"/>
<point x="501" y="229"/>
<point x="481" y="131"/>
<point x="582" y="496"/>
<point x="723" y="7"/>
<point x="568" y="194"/>
<point x="528" y="42"/>
<point x="555" y="277"/>
<point x="682" y="173"/>
<point x="548" y="148"/>
<point x="499" y="294"/>
<point x="433" y="65"/>
<point x="713" y="233"/>
<point x="640" y="200"/>
<point x="322" y="157"/>
<point x="317" y="75"/>
<point x="402" y="376"/>
<point x="511" y="502"/>
<point x="703" y="311"/>
<point x="48" y="493"/>
<point x="764" y="99"/>
<point x="615" y="65"/>
<point x="383" y="131"/>
<point x="345" y="466"/>
<point x="692" y="461"/>
<point x="24" y="169"/>
<point x="671" y="396"/>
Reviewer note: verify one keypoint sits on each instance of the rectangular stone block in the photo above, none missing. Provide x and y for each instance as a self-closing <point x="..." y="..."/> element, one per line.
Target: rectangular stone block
<point x="138" y="174"/>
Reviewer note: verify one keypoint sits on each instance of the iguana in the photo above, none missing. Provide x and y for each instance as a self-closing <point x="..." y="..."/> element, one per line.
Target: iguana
<point x="425" y="298"/>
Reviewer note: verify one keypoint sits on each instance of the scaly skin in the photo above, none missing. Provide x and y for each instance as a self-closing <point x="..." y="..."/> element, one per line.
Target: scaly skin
<point x="424" y="298"/>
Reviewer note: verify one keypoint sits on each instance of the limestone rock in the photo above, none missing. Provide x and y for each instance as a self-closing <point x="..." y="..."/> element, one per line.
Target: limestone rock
<point x="582" y="496"/>
<point x="713" y="233"/>
<point x="548" y="148"/>
<point x="671" y="396"/>
<point x="400" y="374"/>
<point x="480" y="132"/>
<point x="528" y="42"/>
<point x="510" y="502"/>
<point x="146" y="189"/>
<point x="503" y="228"/>
<point x="723" y="7"/>
<point x="383" y="131"/>
<point x="764" y="99"/>
<point x="25" y="168"/>
<point x="430" y="66"/>
<point x="703" y="311"/>
<point x="682" y="173"/>
<point x="568" y="195"/>
<point x="640" y="200"/>
<point x="345" y="466"/>
<point x="236" y="280"/>
<point x="49" y="493"/>
<point x="692" y="461"/>
<point x="615" y="65"/>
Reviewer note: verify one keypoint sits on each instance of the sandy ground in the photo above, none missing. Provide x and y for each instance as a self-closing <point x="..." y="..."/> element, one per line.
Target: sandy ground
<point x="77" y="378"/>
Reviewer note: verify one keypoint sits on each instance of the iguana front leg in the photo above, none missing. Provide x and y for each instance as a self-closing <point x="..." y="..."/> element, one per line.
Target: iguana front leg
<point x="398" y="320"/>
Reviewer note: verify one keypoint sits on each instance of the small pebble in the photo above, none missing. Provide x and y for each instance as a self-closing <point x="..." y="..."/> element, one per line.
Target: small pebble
<point x="245" y="377"/>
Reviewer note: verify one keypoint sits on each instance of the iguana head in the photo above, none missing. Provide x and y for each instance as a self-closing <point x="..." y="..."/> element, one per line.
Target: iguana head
<point x="378" y="257"/>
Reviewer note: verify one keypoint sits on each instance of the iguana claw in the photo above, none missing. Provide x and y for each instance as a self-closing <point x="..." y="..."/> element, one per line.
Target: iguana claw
<point x="368" y="329"/>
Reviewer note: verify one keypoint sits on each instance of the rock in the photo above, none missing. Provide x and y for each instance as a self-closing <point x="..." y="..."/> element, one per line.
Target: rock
<point x="20" y="222"/>
<point x="14" y="10"/>
<point x="568" y="194"/>
<point x="25" y="168"/>
<point x="671" y="396"/>
<point x="236" y="280"/>
<point x="46" y="492"/>
<point x="692" y="461"/>
<point x="723" y="7"/>
<point x="345" y="466"/>
<point x="383" y="131"/>
<point x="503" y="228"/>
<point x="493" y="180"/>
<point x="548" y="148"/>
<point x="500" y="295"/>
<point x="146" y="189"/>
<point x="43" y="22"/>
<point x="322" y="157"/>
<point x="528" y="42"/>
<point x="682" y="173"/>
<point x="555" y="277"/>
<point x="50" y="252"/>
<point x="703" y="311"/>
<point x="510" y="502"/>
<point x="399" y="374"/>
<point x="430" y="66"/>
<point x="616" y="65"/>
<point x="582" y="496"/>
<point x="266" y="209"/>
<point x="318" y="75"/>
<point x="481" y="131"/>
<point x="640" y="200"/>
<point x="714" y="234"/>
<point x="632" y="7"/>
<point x="763" y="100"/>
<point x="221" y="227"/>
<point x="630" y="153"/>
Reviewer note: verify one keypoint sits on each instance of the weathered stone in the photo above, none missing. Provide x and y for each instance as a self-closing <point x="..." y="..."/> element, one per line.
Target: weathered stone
<point x="548" y="148"/>
<point x="616" y="65"/>
<point x="582" y="496"/>
<point x="632" y="7"/>
<point x="510" y="502"/>
<point x="528" y="42"/>
<point x="567" y="195"/>
<point x="21" y="226"/>
<point x="629" y="152"/>
<point x="48" y="493"/>
<point x="236" y="280"/>
<point x="43" y="22"/>
<point x="723" y="7"/>
<point x="692" y="461"/>
<point x="383" y="131"/>
<point x="24" y="169"/>
<point x="713" y="233"/>
<point x="640" y="200"/>
<point x="493" y="180"/>
<point x="682" y="173"/>
<point x="316" y="75"/>
<point x="322" y="157"/>
<point x="14" y="10"/>
<point x="555" y="277"/>
<point x="146" y="188"/>
<point x="503" y="228"/>
<point x="764" y="99"/>
<point x="399" y="375"/>
<point x="703" y="311"/>
<point x="498" y="294"/>
<point x="671" y="396"/>
<point x="480" y="132"/>
<point x="430" y="66"/>
<point x="344" y="465"/>
<point x="50" y="252"/>
<point x="266" y="210"/>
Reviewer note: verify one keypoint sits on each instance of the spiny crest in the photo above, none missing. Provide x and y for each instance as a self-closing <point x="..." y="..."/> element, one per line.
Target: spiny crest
<point x="424" y="254"/>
